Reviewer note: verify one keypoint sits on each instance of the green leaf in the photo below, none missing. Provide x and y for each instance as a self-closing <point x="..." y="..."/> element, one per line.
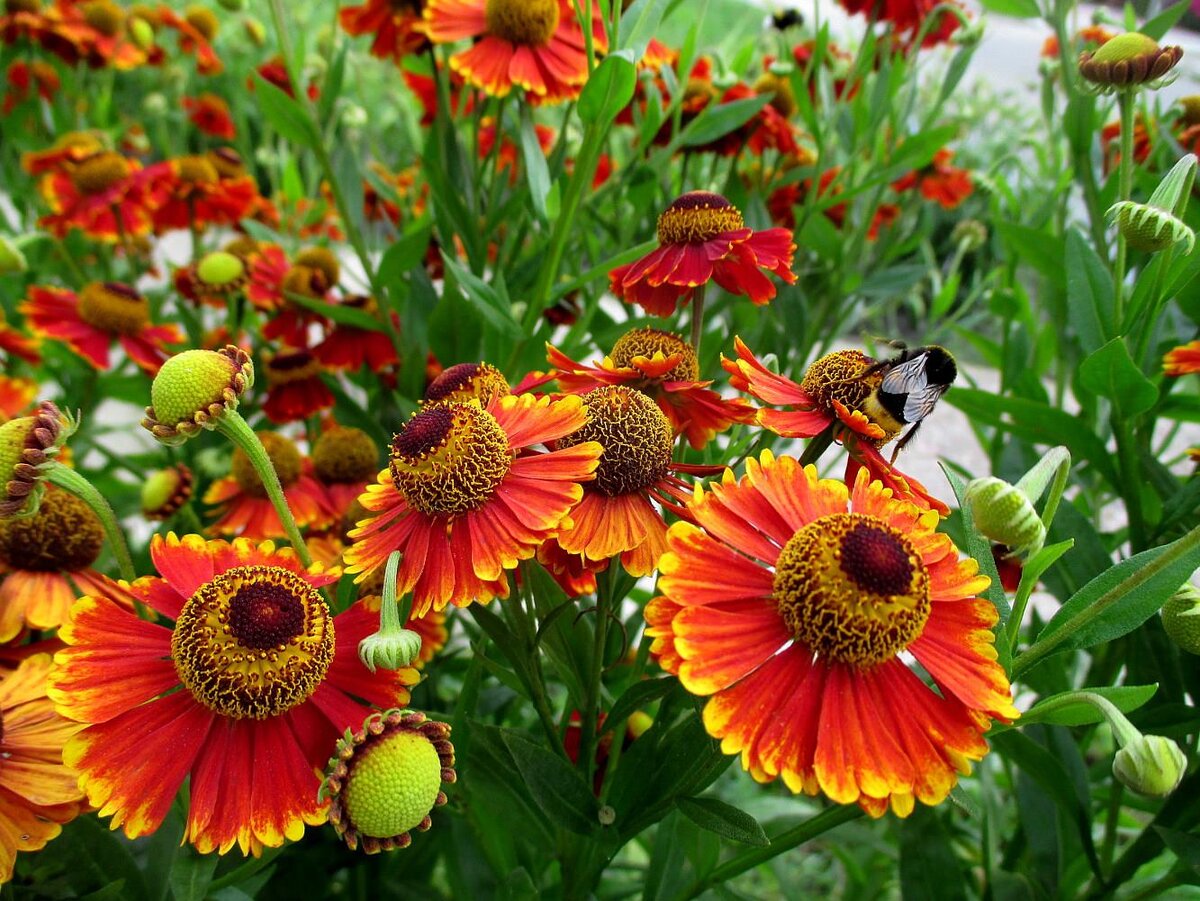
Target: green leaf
<point x="192" y="874"/>
<point x="724" y="820"/>
<point x="285" y="115"/>
<point x="406" y="253"/>
<point x="929" y="871"/>
<point x="1164" y="21"/>
<point x="1120" y="599"/>
<point x="1089" y="293"/>
<point x="555" y="785"/>
<point x="484" y="298"/>
<point x="1184" y="846"/>
<point x="639" y="24"/>
<point x="1018" y="9"/>
<point x="1110" y="372"/>
<point x="1068" y="709"/>
<point x="608" y="90"/>
<point x="537" y="173"/>
<point x="718" y="120"/>
<point x="338" y="312"/>
<point x="1039" y="249"/>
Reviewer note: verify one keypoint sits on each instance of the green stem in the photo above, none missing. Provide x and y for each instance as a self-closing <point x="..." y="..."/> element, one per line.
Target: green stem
<point x="697" y="317"/>
<point x="1043" y="648"/>
<point x="1127" y="463"/>
<point x="233" y="427"/>
<point x="70" y="480"/>
<point x="1124" y="190"/>
<point x="524" y="620"/>
<point x="786" y="841"/>
<point x="589" y="716"/>
<point x="190" y="520"/>
<point x="1111" y="823"/>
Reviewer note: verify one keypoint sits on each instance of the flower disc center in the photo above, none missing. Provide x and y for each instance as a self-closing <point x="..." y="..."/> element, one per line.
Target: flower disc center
<point x="113" y="308"/>
<point x="284" y="456"/>
<point x="646" y="342"/>
<point x="852" y="588"/>
<point x="99" y="172"/>
<point x="635" y="435"/>
<point x="63" y="536"/>
<point x="527" y="22"/>
<point x="838" y="376"/>
<point x="253" y="642"/>
<point x="449" y="458"/>
<point x="696" y="217"/>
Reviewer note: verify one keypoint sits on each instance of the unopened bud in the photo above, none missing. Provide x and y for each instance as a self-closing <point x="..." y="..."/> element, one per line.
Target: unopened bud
<point x="390" y="651"/>
<point x="1150" y="765"/>
<point x="1181" y="618"/>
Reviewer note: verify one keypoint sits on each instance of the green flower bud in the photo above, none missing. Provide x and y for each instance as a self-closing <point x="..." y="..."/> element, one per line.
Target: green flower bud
<point x="971" y="234"/>
<point x="1129" y="60"/>
<point x="165" y="491"/>
<point x="1005" y="514"/>
<point x="141" y="33"/>
<point x="1149" y="228"/>
<point x="1181" y="618"/>
<point x="194" y="389"/>
<point x="391" y="650"/>
<point x="26" y="444"/>
<point x="384" y="781"/>
<point x="1150" y="765"/>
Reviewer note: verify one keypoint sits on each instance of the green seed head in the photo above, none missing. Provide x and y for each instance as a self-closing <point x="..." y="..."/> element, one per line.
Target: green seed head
<point x="12" y="442"/>
<point x="193" y="389"/>
<point x="1125" y="47"/>
<point x="393" y="784"/>
<point x="220" y="268"/>
<point x="165" y="491"/>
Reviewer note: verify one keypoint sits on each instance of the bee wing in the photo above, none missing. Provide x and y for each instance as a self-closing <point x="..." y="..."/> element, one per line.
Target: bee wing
<point x="920" y="404"/>
<point x="905" y="377"/>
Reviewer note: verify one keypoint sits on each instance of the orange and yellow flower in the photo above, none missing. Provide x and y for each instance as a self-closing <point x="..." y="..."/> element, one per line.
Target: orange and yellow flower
<point x="350" y="347"/>
<point x="101" y="312"/>
<point x="1182" y="360"/>
<point x="37" y="792"/>
<point x="243" y="505"/>
<point x="941" y="182"/>
<point x="195" y="194"/>
<point x="243" y="697"/>
<point x="107" y="196"/>
<point x="45" y="563"/>
<point x="16" y="396"/>
<point x="17" y="344"/>
<point x="703" y="238"/>
<point x="466" y="497"/>
<point x="790" y="605"/>
<point x="535" y="45"/>
<point x="664" y="367"/>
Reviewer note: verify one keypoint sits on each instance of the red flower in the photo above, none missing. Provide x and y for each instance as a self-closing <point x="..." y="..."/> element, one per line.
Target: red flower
<point x="88" y="323"/>
<point x="241" y="699"/>
<point x="908" y="17"/>
<point x="105" y="195"/>
<point x="294" y="387"/>
<point x="210" y="114"/>
<point x="349" y="347"/>
<point x="948" y="185"/>
<point x="703" y="238"/>
<point x="194" y="194"/>
<point x="397" y="25"/>
<point x="192" y="40"/>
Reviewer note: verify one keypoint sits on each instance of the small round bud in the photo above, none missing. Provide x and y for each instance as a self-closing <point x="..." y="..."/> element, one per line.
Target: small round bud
<point x="391" y="651"/>
<point x="165" y="491"/>
<point x="971" y="234"/>
<point x="1150" y="765"/>
<point x="1181" y="618"/>
<point x="193" y="389"/>
<point x="255" y="30"/>
<point x="1128" y="60"/>
<point x="154" y="104"/>
<point x="141" y="33"/>
<point x="1149" y="228"/>
<point x="26" y="443"/>
<point x="384" y="780"/>
<point x="1004" y="514"/>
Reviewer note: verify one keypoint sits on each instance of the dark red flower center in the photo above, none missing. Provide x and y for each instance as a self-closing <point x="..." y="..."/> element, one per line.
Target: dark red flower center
<point x="696" y="217"/>
<point x="450" y="458"/>
<point x="265" y="615"/>
<point x="468" y="381"/>
<point x="852" y="588"/>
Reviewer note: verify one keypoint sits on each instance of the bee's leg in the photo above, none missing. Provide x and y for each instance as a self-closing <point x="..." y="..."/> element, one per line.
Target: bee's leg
<point x="908" y="436"/>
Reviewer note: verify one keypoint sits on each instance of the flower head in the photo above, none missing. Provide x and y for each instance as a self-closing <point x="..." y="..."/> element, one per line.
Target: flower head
<point x="26" y="443"/>
<point x="240" y="698"/>
<point x="703" y="238"/>
<point x="1127" y="60"/>
<point x="465" y="497"/>
<point x="166" y="491"/>
<point x="194" y="389"/>
<point x="101" y="313"/>
<point x="397" y="25"/>
<point x="790" y="605"/>
<point x="294" y="386"/>
<point x="535" y="45"/>
<point x="386" y="779"/>
<point x="663" y="366"/>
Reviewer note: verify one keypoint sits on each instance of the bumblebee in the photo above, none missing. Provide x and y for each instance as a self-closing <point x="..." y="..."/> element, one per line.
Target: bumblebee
<point x="786" y="19"/>
<point x="908" y="389"/>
